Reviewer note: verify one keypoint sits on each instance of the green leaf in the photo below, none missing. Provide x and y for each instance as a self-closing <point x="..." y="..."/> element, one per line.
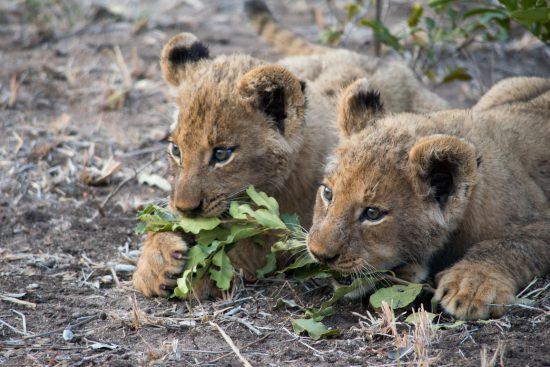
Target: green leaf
<point x="480" y="11"/>
<point x="269" y="267"/>
<point x="263" y="216"/>
<point x="331" y="36"/>
<point x="312" y="271"/>
<point x="261" y="199"/>
<point x="352" y="10"/>
<point x="286" y="302"/>
<point x="435" y="4"/>
<point x="383" y="34"/>
<point x="140" y="228"/>
<point x="534" y="15"/>
<point x="223" y="276"/>
<point x="301" y="262"/>
<point x="195" y="225"/>
<point x="416" y="12"/>
<point x="292" y="222"/>
<point x="340" y="293"/>
<point x="397" y="296"/>
<point x="207" y="237"/>
<point x="414" y="318"/>
<point x="290" y="244"/>
<point x="235" y="210"/>
<point x="314" y="329"/>
<point x="197" y="257"/>
<point x="457" y="74"/>
<point x="241" y="231"/>
<point x="449" y="325"/>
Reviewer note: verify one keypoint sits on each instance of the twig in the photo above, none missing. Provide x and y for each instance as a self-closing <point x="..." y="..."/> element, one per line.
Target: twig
<point x="13" y="328"/>
<point x="80" y="323"/>
<point x="23" y="320"/>
<point x="14" y="87"/>
<point x="101" y="206"/>
<point x="245" y="323"/>
<point x="115" y="277"/>
<point x="396" y="280"/>
<point x="231" y="344"/>
<point x="245" y="347"/>
<point x="6" y="298"/>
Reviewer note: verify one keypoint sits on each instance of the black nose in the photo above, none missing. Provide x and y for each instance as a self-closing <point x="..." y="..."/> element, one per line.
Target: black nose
<point x="189" y="210"/>
<point x="325" y="258"/>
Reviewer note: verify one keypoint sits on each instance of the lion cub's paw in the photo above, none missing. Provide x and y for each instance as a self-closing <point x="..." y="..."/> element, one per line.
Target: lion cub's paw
<point x="473" y="291"/>
<point x="160" y="264"/>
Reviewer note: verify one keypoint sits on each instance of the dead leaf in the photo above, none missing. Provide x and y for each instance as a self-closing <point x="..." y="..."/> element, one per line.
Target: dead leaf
<point x="60" y="123"/>
<point x="152" y="179"/>
<point x="95" y="177"/>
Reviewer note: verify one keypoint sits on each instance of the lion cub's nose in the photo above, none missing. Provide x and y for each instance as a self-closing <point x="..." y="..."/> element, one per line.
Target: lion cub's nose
<point x="324" y="257"/>
<point x="189" y="209"/>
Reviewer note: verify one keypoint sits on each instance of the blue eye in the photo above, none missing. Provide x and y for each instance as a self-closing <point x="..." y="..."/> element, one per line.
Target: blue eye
<point x="175" y="150"/>
<point x="326" y="193"/>
<point x="221" y="155"/>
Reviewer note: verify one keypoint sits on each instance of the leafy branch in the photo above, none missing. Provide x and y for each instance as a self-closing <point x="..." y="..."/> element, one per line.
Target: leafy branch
<point x="215" y="237"/>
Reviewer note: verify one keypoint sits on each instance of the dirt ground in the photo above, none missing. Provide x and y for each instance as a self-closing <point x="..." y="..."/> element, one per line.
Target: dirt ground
<point x="80" y="90"/>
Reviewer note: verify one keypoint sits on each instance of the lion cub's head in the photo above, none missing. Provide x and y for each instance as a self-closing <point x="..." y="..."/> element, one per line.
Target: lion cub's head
<point x="392" y="191"/>
<point x="239" y="123"/>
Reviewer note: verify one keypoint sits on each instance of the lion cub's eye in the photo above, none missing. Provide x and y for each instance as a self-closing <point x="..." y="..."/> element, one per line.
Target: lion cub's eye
<point x="326" y="194"/>
<point x="372" y="214"/>
<point x="175" y="150"/>
<point x="221" y="155"/>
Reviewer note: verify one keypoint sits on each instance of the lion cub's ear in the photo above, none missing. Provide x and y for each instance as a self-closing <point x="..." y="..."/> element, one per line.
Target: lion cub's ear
<point x="359" y="106"/>
<point x="178" y="56"/>
<point x="277" y="93"/>
<point x="443" y="168"/>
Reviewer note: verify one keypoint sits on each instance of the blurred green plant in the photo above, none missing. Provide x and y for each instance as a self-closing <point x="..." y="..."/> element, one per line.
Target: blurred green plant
<point x="445" y="24"/>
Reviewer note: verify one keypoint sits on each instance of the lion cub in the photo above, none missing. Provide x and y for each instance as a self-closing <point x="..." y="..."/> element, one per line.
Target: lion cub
<point x="461" y="194"/>
<point x="244" y="121"/>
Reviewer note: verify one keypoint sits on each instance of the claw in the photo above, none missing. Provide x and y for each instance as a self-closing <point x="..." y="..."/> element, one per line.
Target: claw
<point x="178" y="255"/>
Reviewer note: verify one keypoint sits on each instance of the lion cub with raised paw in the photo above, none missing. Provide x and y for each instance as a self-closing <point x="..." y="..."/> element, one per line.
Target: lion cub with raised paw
<point x="460" y="194"/>
<point x="243" y="122"/>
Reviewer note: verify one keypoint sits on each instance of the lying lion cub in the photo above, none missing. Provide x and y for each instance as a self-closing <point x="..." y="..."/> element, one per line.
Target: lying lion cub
<point x="243" y="121"/>
<point x="461" y="190"/>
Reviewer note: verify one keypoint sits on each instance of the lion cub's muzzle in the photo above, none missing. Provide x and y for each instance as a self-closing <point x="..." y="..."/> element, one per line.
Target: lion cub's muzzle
<point x="324" y="254"/>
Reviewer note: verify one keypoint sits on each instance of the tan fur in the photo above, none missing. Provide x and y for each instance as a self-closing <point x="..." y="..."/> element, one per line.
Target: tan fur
<point x="462" y="187"/>
<point x="235" y="101"/>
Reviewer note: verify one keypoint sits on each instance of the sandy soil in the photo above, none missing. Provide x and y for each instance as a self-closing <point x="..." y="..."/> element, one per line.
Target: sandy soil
<point x="83" y="86"/>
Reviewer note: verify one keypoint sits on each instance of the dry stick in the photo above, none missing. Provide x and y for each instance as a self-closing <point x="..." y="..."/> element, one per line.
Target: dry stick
<point x="23" y="320"/>
<point x="6" y="298"/>
<point x="83" y="322"/>
<point x="124" y="182"/>
<point x="13" y="328"/>
<point x="404" y="282"/>
<point x="115" y="277"/>
<point x="231" y="344"/>
<point x="245" y="347"/>
<point x="245" y="323"/>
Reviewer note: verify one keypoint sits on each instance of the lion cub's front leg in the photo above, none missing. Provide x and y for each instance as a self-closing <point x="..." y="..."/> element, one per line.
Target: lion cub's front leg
<point x="474" y="290"/>
<point x="160" y="264"/>
<point x="490" y="275"/>
<point x="163" y="258"/>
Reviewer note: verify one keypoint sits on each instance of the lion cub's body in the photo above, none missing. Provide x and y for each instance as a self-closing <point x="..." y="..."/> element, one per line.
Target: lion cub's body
<point x="461" y="185"/>
<point x="277" y="123"/>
